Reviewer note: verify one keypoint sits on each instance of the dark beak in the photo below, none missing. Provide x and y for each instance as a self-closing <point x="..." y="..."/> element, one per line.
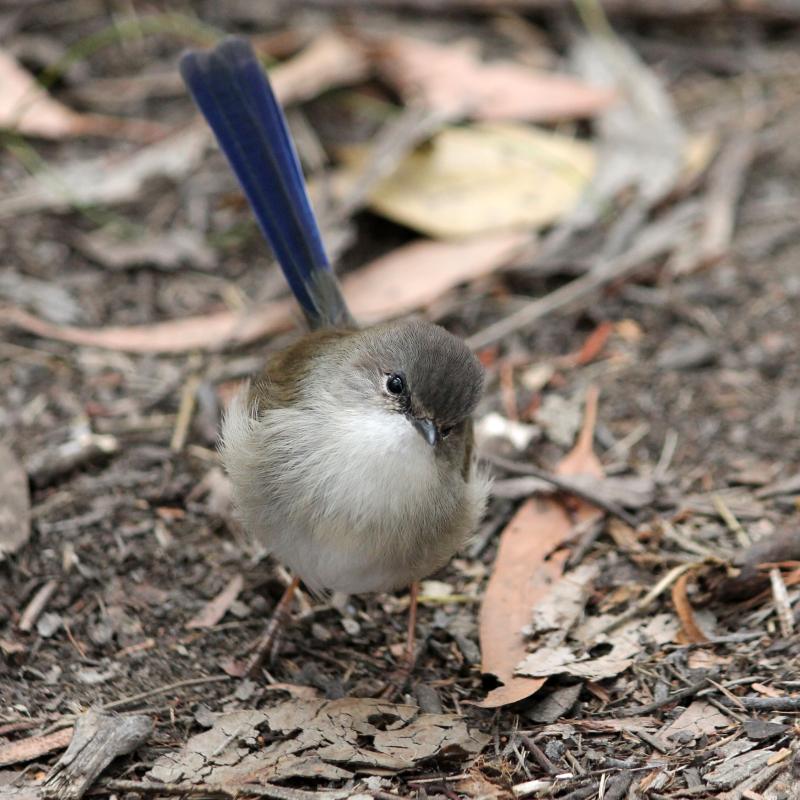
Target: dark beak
<point x="428" y="429"/>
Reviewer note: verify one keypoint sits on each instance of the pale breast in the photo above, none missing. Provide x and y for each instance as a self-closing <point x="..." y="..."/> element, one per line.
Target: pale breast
<point x="351" y="502"/>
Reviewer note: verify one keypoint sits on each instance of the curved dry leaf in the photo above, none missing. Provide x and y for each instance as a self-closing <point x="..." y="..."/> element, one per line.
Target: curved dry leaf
<point x="330" y="60"/>
<point x="223" y="328"/>
<point x="452" y="78"/>
<point x="683" y="608"/>
<point x="216" y="608"/>
<point x="420" y="272"/>
<point x="522" y="575"/>
<point x="528" y="563"/>
<point x="25" y="107"/>
<point x="405" y="279"/>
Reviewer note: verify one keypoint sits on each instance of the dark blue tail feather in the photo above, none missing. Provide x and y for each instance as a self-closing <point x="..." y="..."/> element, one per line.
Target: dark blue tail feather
<point x="230" y="87"/>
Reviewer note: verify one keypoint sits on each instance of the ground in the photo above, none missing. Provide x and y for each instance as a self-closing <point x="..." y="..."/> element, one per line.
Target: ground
<point x="134" y="543"/>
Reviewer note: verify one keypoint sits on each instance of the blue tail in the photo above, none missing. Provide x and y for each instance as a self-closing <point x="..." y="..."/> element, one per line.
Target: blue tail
<point x="231" y="89"/>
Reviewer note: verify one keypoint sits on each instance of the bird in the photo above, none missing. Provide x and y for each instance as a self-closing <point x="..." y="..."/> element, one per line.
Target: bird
<point x="351" y="456"/>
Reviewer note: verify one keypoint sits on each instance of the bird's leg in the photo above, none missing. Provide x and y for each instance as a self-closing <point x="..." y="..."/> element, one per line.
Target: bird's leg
<point x="413" y="594"/>
<point x="269" y="638"/>
<point x="400" y="676"/>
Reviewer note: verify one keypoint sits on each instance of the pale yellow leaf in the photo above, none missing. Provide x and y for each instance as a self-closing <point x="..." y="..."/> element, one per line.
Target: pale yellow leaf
<point x="486" y="178"/>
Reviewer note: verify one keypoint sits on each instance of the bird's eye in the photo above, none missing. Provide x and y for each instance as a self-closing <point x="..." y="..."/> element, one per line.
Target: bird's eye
<point x="395" y="384"/>
<point x="446" y="430"/>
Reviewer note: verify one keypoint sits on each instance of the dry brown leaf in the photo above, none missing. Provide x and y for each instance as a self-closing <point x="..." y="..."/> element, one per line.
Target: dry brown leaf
<point x="698" y="719"/>
<point x="216" y="608"/>
<point x="528" y="562"/>
<point x="34" y="747"/>
<point x="223" y="328"/>
<point x="592" y="346"/>
<point x="319" y="739"/>
<point x="452" y="79"/>
<point x="26" y="108"/>
<point x="409" y="277"/>
<point x="482" y="179"/>
<point x="330" y="60"/>
<point x="415" y="275"/>
<point x="522" y="575"/>
<point x="15" y="504"/>
<point x="683" y="608"/>
<point x="626" y="641"/>
<point x="555" y="614"/>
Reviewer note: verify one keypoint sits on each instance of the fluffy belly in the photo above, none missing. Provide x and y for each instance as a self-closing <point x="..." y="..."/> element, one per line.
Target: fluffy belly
<point x="365" y="507"/>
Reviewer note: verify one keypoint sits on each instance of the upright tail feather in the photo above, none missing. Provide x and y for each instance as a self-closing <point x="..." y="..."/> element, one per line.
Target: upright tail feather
<point x="230" y="87"/>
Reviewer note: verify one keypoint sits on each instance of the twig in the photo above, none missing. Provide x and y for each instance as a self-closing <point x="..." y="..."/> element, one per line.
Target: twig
<point x="755" y="703"/>
<point x="565" y="485"/>
<point x="649" y="708"/>
<point x="135" y="698"/>
<point x="209" y="790"/>
<point x="539" y="755"/>
<point x="394" y="141"/>
<point x="729" y="518"/>
<point x="36" y="606"/>
<point x="655" y="240"/>
<point x="667" y="453"/>
<point x="185" y="411"/>
<point x="726" y="181"/>
<point x="658" y="589"/>
<point x="586" y="534"/>
<point x="783" y="605"/>
<point x="652" y="741"/>
<point x="85" y="447"/>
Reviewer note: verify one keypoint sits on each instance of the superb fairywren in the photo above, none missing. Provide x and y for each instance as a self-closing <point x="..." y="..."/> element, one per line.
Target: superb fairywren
<point x="351" y="457"/>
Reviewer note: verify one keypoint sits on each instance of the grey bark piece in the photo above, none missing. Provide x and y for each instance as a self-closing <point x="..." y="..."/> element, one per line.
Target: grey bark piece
<point x="15" y="504"/>
<point x="98" y="739"/>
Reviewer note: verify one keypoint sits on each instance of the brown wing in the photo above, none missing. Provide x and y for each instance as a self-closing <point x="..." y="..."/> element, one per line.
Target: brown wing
<point x="280" y="383"/>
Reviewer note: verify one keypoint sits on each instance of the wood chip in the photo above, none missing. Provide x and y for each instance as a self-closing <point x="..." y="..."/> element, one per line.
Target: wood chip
<point x="216" y="609"/>
<point x="33" y="747"/>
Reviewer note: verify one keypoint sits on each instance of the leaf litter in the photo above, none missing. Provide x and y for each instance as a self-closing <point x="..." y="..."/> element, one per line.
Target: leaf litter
<point x="452" y="78"/>
<point x="701" y="421"/>
<point x="530" y="559"/>
<point x="27" y="109"/>
<point x="330" y="739"/>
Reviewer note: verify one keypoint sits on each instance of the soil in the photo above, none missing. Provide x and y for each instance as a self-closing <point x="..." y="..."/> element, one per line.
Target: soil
<point x="136" y="543"/>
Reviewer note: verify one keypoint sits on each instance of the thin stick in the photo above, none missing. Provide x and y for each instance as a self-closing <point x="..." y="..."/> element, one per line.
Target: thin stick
<point x="783" y="605"/>
<point x="656" y="239"/>
<point x="270" y="635"/>
<point x="729" y="518"/>
<point x="135" y="698"/>
<point x="36" y="606"/>
<point x="564" y="484"/>
<point x="658" y="589"/>
<point x="185" y="412"/>
<point x="413" y="597"/>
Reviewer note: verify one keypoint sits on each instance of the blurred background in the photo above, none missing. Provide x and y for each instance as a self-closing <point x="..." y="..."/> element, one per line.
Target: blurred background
<point x="593" y="194"/>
